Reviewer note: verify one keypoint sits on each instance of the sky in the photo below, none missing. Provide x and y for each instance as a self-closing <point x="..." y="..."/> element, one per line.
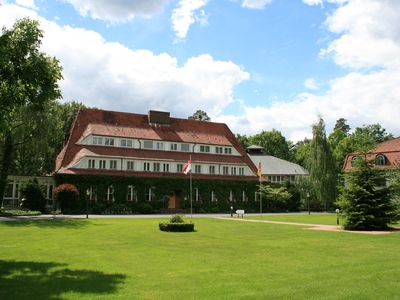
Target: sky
<point x="252" y="64"/>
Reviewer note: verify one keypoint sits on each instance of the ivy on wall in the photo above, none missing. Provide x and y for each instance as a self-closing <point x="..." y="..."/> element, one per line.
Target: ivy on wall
<point x="162" y="187"/>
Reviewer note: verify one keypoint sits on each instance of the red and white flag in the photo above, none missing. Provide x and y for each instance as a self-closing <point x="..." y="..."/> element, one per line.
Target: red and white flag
<point x="187" y="167"/>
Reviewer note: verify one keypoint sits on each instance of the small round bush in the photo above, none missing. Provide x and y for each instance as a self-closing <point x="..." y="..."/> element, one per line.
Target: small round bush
<point x="67" y="196"/>
<point x="176" y="219"/>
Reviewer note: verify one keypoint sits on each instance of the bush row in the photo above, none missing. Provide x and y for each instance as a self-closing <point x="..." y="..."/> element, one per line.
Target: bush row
<point x="177" y="227"/>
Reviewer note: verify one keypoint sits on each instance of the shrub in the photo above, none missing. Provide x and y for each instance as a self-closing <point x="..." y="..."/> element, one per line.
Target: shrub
<point x="32" y="196"/>
<point x="67" y="196"/>
<point x="145" y="208"/>
<point x="177" y="227"/>
<point x="176" y="219"/>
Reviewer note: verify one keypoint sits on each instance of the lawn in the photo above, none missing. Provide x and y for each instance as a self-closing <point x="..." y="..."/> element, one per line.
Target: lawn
<point x="224" y="259"/>
<point x="326" y="219"/>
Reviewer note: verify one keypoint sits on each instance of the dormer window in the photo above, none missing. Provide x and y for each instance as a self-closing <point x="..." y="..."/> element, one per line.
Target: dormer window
<point x="109" y="141"/>
<point x="380" y="160"/>
<point x="354" y="161"/>
<point x="97" y="140"/>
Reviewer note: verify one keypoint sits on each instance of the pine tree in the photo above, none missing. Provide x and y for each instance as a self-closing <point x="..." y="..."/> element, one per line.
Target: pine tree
<point x="365" y="199"/>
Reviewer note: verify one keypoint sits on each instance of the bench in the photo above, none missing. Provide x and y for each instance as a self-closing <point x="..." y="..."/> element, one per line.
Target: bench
<point x="240" y="212"/>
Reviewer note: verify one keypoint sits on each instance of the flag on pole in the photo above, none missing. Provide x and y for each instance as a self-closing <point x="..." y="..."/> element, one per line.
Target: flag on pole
<point x="259" y="169"/>
<point x="187" y="167"/>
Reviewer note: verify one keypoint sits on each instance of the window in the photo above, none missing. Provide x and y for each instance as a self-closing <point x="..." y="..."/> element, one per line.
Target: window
<point x="130" y="165"/>
<point x="354" y="160"/>
<point x="150" y="196"/>
<point x="225" y="170"/>
<point x="126" y="143"/>
<point x="228" y="150"/>
<point x="179" y="168"/>
<point x="102" y="164"/>
<point x="174" y="147"/>
<point x="196" y="195"/>
<point x="156" y="167"/>
<point x="92" y="164"/>
<point x="244" y="196"/>
<point x="160" y="146"/>
<point x="211" y="169"/>
<point x="218" y="150"/>
<point x="110" y="193"/>
<point x="231" y="197"/>
<point x="97" y="140"/>
<point x="257" y="196"/>
<point x="8" y="193"/>
<point x="109" y="141"/>
<point x="148" y="144"/>
<point x="50" y="191"/>
<point x="197" y="169"/>
<point x="185" y="147"/>
<point x="132" y="194"/>
<point x="233" y="170"/>
<point x="113" y="164"/>
<point x="380" y="160"/>
<point x="165" y="167"/>
<point x="241" y="171"/>
<point x="204" y="148"/>
<point x="213" y="197"/>
<point x="92" y="193"/>
<point x="146" y="166"/>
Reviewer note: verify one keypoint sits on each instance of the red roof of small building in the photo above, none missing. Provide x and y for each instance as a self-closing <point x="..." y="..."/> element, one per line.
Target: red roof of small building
<point x="121" y="124"/>
<point x="390" y="149"/>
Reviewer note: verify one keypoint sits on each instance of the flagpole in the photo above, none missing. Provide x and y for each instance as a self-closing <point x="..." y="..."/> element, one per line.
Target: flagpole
<point x="260" y="198"/>
<point x="191" y="200"/>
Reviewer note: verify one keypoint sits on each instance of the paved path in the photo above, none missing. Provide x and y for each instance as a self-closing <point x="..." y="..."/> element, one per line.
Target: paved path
<point x="313" y="226"/>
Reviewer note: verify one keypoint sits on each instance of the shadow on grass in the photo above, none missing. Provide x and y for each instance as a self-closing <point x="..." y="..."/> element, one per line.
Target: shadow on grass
<point x="48" y="280"/>
<point x="65" y="223"/>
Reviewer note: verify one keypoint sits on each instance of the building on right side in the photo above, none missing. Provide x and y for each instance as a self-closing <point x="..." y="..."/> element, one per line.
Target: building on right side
<point x="385" y="155"/>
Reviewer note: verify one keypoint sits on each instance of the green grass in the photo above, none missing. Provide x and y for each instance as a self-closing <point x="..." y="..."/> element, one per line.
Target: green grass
<point x="326" y="219"/>
<point x="17" y="212"/>
<point x="132" y="259"/>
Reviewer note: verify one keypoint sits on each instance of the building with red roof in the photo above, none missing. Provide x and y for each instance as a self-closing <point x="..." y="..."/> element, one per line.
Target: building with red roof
<point x="120" y="158"/>
<point x="385" y="155"/>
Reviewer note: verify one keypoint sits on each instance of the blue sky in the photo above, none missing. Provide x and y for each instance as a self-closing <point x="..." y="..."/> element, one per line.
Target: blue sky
<point x="253" y="64"/>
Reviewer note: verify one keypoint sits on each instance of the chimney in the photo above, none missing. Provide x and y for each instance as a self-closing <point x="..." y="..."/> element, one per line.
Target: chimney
<point x="159" y="118"/>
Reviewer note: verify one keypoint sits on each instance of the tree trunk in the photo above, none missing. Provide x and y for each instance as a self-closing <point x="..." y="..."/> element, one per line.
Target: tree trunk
<point x="5" y="163"/>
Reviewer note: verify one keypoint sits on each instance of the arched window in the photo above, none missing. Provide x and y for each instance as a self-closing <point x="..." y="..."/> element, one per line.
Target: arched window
<point x="354" y="161"/>
<point x="380" y="160"/>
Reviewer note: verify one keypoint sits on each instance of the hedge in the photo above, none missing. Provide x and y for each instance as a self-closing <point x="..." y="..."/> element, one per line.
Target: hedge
<point x="177" y="227"/>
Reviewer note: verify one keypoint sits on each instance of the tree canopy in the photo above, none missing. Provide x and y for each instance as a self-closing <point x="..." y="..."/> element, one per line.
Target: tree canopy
<point x="28" y="78"/>
<point x="200" y="115"/>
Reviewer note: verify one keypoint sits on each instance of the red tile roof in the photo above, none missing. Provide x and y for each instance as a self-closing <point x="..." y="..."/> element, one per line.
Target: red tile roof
<point x="390" y="149"/>
<point x="119" y="124"/>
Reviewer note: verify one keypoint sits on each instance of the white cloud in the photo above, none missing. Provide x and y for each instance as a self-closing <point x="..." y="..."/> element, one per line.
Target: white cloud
<point x="112" y="76"/>
<point x="311" y="84"/>
<point x="370" y="34"/>
<point x="26" y="3"/>
<point x="184" y="15"/>
<point x="118" y="10"/>
<point x="256" y="4"/>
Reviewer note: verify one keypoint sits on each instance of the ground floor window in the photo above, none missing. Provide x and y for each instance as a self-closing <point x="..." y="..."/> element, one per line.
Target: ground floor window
<point x="150" y="195"/>
<point x="244" y="196"/>
<point x="196" y="195"/>
<point x="110" y="193"/>
<point x="132" y="194"/>
<point x="213" y="197"/>
<point x="92" y="193"/>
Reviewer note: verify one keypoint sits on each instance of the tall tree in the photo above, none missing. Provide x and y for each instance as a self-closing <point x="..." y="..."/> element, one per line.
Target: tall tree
<point x="273" y="142"/>
<point x="28" y="77"/>
<point x="340" y="132"/>
<point x="301" y="152"/>
<point x="40" y="137"/>
<point x="243" y="140"/>
<point x="321" y="166"/>
<point x="341" y="124"/>
<point x="200" y="115"/>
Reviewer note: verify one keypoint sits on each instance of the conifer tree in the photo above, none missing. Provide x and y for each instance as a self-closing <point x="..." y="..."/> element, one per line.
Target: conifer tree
<point x="366" y="201"/>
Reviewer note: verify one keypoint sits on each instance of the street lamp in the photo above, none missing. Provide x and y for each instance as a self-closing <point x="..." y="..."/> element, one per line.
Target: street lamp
<point x="337" y="216"/>
<point x="87" y="202"/>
